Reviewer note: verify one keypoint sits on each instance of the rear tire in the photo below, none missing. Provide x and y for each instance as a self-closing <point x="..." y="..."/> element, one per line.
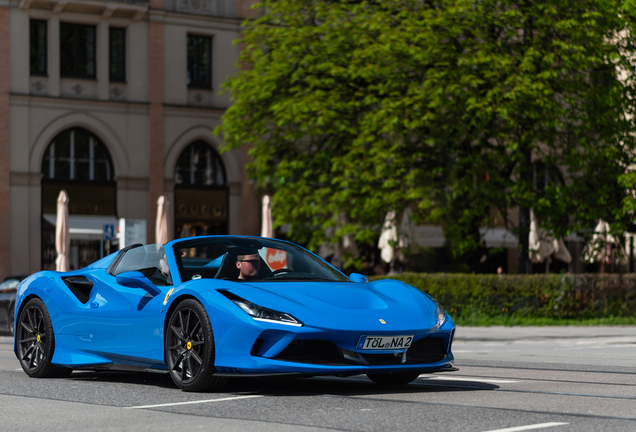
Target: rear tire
<point x="36" y="342"/>
<point x="399" y="378"/>
<point x="189" y="347"/>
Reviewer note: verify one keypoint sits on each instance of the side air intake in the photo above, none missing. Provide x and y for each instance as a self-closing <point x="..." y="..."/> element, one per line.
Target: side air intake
<point x="80" y="286"/>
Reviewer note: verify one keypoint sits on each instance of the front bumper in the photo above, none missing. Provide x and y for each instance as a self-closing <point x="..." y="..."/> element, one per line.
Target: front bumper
<point x="283" y="350"/>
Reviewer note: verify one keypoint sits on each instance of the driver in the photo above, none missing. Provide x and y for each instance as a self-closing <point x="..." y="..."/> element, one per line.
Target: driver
<point x="248" y="266"/>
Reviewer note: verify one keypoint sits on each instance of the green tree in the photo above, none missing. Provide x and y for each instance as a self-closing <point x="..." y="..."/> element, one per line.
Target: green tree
<point x="357" y="107"/>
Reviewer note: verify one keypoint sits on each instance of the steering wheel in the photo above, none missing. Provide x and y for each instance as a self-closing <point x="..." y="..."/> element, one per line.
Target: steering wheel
<point x="277" y="272"/>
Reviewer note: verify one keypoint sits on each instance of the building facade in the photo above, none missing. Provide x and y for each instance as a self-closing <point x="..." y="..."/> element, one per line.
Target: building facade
<point x="115" y="102"/>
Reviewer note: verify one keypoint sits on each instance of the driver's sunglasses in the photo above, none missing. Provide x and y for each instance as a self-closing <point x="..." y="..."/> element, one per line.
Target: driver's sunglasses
<point x="251" y="261"/>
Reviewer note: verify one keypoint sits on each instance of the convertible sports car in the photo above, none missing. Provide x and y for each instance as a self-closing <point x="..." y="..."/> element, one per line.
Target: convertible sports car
<point x="207" y="308"/>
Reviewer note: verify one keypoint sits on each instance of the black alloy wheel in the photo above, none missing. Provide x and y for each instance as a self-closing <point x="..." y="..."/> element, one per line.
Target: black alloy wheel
<point x="189" y="347"/>
<point x="399" y="378"/>
<point x="36" y="342"/>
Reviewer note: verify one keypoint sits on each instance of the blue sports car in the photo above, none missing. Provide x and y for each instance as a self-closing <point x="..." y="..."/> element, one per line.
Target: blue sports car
<point x="204" y="309"/>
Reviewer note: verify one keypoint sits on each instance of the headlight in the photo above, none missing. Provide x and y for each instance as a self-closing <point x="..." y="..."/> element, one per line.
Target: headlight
<point x="440" y="313"/>
<point x="260" y="313"/>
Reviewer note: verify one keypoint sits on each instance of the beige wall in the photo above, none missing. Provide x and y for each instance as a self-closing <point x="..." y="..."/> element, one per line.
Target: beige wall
<point x="145" y="123"/>
<point x="224" y="57"/>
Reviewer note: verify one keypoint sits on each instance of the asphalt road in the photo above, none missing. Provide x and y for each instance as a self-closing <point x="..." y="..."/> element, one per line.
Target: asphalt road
<point x="510" y="379"/>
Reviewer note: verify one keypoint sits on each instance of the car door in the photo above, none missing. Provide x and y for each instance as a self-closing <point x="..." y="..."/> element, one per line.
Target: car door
<point x="126" y="324"/>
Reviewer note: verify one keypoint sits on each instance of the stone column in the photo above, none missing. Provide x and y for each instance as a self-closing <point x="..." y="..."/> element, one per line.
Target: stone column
<point x="155" y="114"/>
<point x="250" y="204"/>
<point x="102" y="61"/>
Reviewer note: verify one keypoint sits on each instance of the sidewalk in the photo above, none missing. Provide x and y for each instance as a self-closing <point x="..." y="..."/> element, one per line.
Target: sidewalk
<point x="501" y="333"/>
<point x="596" y="348"/>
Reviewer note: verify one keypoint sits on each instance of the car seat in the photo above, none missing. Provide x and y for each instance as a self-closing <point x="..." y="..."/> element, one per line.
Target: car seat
<point x="227" y="269"/>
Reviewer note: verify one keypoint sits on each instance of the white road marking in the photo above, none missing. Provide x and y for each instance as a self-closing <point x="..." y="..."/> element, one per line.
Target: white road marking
<point x="194" y="402"/>
<point x="455" y="378"/>
<point x="528" y="427"/>
<point x="429" y="377"/>
<point x="471" y="351"/>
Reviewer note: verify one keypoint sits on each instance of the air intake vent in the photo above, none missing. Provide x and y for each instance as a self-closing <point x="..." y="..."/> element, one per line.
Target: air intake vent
<point x="427" y="350"/>
<point x="80" y="286"/>
<point x="311" y="351"/>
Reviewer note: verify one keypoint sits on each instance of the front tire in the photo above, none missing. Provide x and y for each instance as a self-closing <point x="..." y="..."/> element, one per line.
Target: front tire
<point x="36" y="342"/>
<point x="399" y="378"/>
<point x="189" y="347"/>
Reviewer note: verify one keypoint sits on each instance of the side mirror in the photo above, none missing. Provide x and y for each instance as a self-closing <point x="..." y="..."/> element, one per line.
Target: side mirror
<point x="357" y="277"/>
<point x="136" y="279"/>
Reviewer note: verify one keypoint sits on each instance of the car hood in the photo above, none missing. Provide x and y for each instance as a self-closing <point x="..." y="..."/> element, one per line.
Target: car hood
<point x="344" y="303"/>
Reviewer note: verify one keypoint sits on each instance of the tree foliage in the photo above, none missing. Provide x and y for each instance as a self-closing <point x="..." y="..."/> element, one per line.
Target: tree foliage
<point x="357" y="107"/>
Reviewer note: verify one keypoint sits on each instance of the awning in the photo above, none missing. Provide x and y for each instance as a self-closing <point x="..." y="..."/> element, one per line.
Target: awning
<point x="429" y="236"/>
<point x="499" y="237"/>
<point x="433" y="236"/>
<point x="85" y="227"/>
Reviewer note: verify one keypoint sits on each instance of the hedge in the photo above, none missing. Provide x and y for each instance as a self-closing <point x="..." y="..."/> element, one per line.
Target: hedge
<point x="552" y="296"/>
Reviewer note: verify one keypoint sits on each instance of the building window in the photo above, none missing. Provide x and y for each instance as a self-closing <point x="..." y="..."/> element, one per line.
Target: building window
<point x="201" y="194"/>
<point x="117" y="54"/>
<point x="77" y="154"/>
<point x="77" y="50"/>
<point x="37" y="46"/>
<point x="199" y="62"/>
<point x="200" y="165"/>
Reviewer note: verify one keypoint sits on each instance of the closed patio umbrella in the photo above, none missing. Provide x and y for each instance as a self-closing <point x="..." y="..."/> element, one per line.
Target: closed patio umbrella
<point x="161" y="228"/>
<point x="388" y="238"/>
<point x="604" y="247"/>
<point x="267" y="229"/>
<point x="62" y="235"/>
<point x="542" y="245"/>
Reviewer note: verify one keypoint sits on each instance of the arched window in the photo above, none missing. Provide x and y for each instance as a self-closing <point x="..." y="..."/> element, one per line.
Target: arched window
<point x="201" y="192"/>
<point x="77" y="154"/>
<point x="79" y="163"/>
<point x="200" y="165"/>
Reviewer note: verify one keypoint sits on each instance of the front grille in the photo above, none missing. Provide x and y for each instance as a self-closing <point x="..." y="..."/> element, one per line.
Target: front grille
<point x="311" y="351"/>
<point x="382" y="359"/>
<point x="424" y="351"/>
<point x="427" y="350"/>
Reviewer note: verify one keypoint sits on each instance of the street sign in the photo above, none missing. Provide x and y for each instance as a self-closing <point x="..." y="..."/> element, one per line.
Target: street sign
<point x="131" y="231"/>
<point x="109" y="232"/>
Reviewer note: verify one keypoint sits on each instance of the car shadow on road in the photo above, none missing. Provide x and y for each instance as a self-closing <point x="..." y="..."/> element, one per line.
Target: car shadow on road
<point x="357" y="385"/>
<point x="352" y="386"/>
<point x="145" y="378"/>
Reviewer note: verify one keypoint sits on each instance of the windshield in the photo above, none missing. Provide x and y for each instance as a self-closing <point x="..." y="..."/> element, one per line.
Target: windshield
<point x="150" y="260"/>
<point x="248" y="258"/>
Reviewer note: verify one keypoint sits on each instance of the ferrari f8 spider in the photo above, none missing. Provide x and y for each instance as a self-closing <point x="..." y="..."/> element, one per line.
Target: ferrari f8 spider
<point x="204" y="309"/>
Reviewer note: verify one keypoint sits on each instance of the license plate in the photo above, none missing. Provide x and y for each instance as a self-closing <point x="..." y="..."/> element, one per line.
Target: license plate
<point x="384" y="342"/>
